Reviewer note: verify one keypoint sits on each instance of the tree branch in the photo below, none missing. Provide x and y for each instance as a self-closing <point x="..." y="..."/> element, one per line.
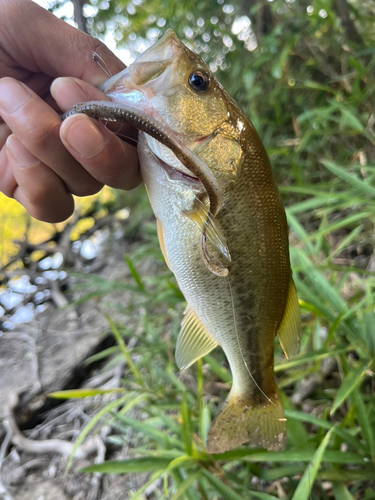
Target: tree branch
<point x="78" y="15"/>
<point x="351" y="32"/>
<point x="264" y="21"/>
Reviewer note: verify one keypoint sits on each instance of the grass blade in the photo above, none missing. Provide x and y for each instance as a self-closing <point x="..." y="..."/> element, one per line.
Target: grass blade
<point x="304" y="486"/>
<point x="142" y="464"/>
<point x="154" y="477"/>
<point x="185" y="485"/>
<point x="313" y="356"/>
<point x="349" y="178"/>
<point x="218" y="369"/>
<point x="345" y="242"/>
<point x="222" y="488"/>
<point x="351" y="382"/>
<point x="187" y="430"/>
<point x="318" y="281"/>
<point x="299" y="230"/>
<point x="365" y="422"/>
<point x="205" y="423"/>
<point x="134" y="273"/>
<point x="262" y="496"/>
<point x="341" y="492"/>
<point x="95" y="419"/>
<point x="124" y="350"/>
<point x="82" y="393"/>
<point x="162" y="438"/>
<point x="179" y="479"/>
<point x="290" y="456"/>
<point x="311" y="419"/>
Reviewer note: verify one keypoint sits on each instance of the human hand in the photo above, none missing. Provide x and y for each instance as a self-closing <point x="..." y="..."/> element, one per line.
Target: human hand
<point x="44" y="162"/>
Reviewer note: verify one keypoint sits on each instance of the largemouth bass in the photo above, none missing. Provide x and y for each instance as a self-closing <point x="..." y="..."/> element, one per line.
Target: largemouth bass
<point x="221" y="226"/>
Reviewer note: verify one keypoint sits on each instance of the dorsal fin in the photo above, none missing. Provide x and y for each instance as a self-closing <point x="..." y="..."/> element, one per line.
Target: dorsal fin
<point x="290" y="327"/>
<point x="193" y="341"/>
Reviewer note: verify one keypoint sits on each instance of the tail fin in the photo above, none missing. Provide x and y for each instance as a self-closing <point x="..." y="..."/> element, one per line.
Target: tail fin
<point x="242" y="420"/>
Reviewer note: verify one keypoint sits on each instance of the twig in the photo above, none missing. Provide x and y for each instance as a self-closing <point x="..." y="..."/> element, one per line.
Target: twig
<point x="4" y="446"/>
<point x="4" y="494"/>
<point x="60" y="301"/>
<point x="342" y="9"/>
<point x="96" y="480"/>
<point x="306" y="388"/>
<point x="22" y="250"/>
<point x="327" y="69"/>
<point x="309" y="385"/>
<point x="19" y="474"/>
<point x="109" y="379"/>
<point x="59" y="446"/>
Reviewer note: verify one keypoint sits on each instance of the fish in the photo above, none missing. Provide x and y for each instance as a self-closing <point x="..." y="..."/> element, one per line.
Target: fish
<point x="222" y="229"/>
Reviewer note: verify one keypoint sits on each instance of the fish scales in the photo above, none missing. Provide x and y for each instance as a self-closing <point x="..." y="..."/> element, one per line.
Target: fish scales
<point x="245" y="307"/>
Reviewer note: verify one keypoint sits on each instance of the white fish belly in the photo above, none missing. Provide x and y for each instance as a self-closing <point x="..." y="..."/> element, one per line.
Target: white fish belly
<point x="208" y="295"/>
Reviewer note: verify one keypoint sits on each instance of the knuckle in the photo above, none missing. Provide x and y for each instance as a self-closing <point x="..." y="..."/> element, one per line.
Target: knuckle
<point x="39" y="195"/>
<point x="115" y="165"/>
<point x="87" y="190"/>
<point x="40" y="136"/>
<point x="113" y="174"/>
<point x="84" y="184"/>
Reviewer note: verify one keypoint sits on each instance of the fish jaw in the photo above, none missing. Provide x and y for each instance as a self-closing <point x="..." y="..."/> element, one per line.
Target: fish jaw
<point x="148" y="86"/>
<point x="151" y="72"/>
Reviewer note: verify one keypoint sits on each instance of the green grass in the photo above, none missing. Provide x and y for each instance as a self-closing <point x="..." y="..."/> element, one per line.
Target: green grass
<point x="333" y="443"/>
<point x="309" y="90"/>
<point x="318" y="130"/>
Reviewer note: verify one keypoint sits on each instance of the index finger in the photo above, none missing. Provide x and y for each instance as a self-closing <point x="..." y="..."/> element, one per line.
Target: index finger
<point x="52" y="47"/>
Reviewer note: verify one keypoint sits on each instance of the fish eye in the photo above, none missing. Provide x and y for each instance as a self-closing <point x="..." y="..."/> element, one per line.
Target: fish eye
<point x="199" y="81"/>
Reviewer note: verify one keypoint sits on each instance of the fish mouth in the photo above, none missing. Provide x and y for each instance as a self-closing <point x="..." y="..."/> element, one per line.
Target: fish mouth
<point x="144" y="121"/>
<point x="175" y="174"/>
<point x="167" y="159"/>
<point x="131" y="91"/>
<point x="143" y="80"/>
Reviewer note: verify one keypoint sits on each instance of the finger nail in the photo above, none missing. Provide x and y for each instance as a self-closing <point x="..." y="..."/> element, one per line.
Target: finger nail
<point x="21" y="155"/>
<point x="13" y="95"/>
<point x="84" y="137"/>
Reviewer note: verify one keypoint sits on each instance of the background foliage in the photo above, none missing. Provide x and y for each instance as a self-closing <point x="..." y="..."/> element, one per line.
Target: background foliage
<point x="304" y="73"/>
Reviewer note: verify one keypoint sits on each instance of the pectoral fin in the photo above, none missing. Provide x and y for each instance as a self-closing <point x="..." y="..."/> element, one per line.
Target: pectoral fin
<point x="161" y="241"/>
<point x="209" y="225"/>
<point x="193" y="341"/>
<point x="290" y="327"/>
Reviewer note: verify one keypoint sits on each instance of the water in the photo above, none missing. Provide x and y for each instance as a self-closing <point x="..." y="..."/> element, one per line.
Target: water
<point x="23" y="297"/>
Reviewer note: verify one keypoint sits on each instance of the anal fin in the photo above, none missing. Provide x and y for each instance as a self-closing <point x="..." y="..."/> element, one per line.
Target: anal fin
<point x="193" y="341"/>
<point x="290" y="327"/>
